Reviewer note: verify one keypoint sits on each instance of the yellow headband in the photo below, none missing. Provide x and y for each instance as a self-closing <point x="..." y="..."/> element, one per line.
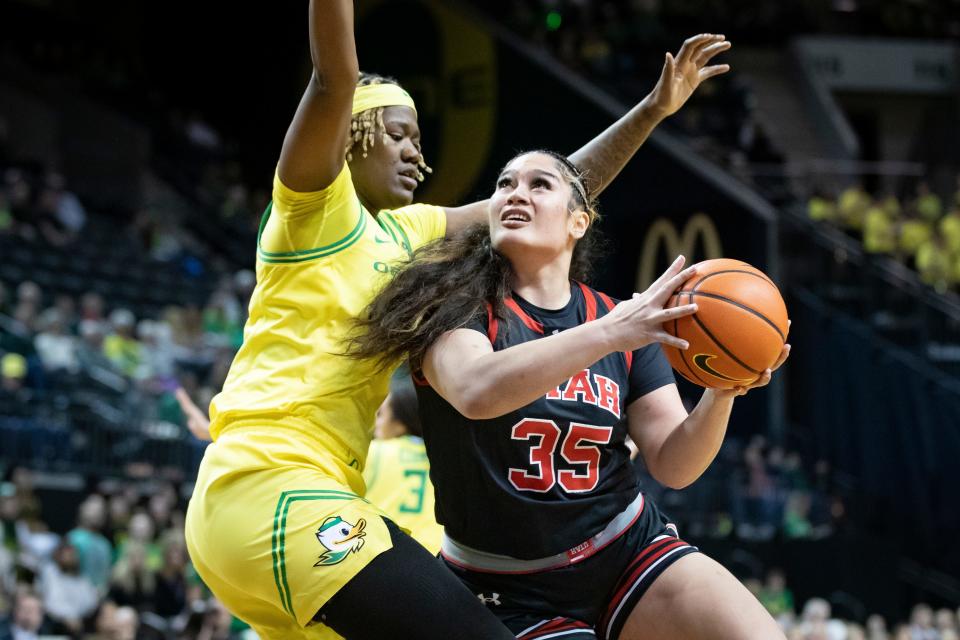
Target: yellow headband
<point x="372" y="96"/>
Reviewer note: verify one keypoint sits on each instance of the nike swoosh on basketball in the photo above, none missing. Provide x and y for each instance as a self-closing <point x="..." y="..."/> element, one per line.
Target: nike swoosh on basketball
<point x="702" y="360"/>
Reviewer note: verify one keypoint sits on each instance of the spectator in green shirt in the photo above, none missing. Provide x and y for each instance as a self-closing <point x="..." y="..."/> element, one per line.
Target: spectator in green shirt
<point x="821" y="208"/>
<point x="775" y="596"/>
<point x="950" y="230"/>
<point x="933" y="263"/>
<point x="928" y="204"/>
<point x="891" y="204"/>
<point x="853" y="206"/>
<point x="879" y="231"/>
<point x="121" y="347"/>
<point x="914" y="231"/>
<point x="142" y="535"/>
<point x="796" y="515"/>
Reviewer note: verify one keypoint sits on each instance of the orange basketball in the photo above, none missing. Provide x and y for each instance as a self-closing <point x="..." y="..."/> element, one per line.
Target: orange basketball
<point x="738" y="330"/>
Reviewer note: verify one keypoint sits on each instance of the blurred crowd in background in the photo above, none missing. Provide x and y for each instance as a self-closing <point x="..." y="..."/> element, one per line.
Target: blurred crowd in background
<point x="921" y="231"/>
<point x="121" y="573"/>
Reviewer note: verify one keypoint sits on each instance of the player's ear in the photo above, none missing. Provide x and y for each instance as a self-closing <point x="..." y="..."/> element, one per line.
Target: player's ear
<point x="579" y="223"/>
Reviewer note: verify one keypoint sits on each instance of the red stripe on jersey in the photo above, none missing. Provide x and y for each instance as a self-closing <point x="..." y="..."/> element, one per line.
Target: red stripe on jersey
<point x="492" y="324"/>
<point x="590" y="300"/>
<point x="607" y="301"/>
<point x="609" y="304"/>
<point x="527" y="320"/>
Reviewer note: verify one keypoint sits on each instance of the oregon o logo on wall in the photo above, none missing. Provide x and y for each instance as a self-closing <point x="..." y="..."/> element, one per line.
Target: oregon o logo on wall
<point x="449" y="66"/>
<point x="663" y="239"/>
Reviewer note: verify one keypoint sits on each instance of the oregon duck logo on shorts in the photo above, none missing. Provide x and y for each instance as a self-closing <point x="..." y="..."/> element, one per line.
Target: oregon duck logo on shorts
<point x="339" y="538"/>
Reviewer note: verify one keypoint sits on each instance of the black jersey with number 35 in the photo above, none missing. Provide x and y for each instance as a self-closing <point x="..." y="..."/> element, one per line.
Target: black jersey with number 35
<point x="541" y="479"/>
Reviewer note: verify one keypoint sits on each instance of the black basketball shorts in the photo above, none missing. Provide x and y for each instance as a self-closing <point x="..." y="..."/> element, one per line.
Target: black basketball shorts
<point x="591" y="598"/>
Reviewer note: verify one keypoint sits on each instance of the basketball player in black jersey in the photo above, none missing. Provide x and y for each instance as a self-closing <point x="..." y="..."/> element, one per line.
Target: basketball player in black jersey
<point x="530" y="384"/>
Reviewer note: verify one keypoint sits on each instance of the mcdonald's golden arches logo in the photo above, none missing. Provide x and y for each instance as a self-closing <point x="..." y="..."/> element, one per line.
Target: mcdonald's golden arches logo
<point x="699" y="231"/>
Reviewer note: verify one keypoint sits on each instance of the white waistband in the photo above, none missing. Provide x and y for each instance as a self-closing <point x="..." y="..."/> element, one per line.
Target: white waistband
<point x="476" y="560"/>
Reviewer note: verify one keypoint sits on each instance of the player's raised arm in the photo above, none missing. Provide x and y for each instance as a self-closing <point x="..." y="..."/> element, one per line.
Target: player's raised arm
<point x="313" y="149"/>
<point x="603" y="157"/>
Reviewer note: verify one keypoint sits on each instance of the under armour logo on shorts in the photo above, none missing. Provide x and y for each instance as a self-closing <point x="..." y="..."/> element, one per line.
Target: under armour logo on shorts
<point x="492" y="600"/>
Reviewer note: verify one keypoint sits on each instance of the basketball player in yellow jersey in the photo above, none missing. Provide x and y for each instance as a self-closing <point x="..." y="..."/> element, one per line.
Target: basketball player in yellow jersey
<point x="398" y="472"/>
<point x="277" y="526"/>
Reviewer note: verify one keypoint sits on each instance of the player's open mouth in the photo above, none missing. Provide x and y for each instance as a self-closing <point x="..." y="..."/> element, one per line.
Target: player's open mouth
<point x="514" y="218"/>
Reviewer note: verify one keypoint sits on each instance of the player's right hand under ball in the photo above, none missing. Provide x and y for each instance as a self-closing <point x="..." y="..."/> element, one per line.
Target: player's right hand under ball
<point x="767" y="375"/>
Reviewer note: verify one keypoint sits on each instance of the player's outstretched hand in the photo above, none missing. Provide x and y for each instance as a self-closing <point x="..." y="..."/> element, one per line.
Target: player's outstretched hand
<point x="639" y="321"/>
<point x="682" y="74"/>
<point x="197" y="420"/>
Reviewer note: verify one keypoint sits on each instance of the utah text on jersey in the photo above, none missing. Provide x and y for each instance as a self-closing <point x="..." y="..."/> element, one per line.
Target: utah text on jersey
<point x="597" y="390"/>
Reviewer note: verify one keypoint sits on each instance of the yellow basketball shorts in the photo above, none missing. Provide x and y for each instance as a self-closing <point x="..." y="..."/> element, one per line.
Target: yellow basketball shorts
<point x="276" y="527"/>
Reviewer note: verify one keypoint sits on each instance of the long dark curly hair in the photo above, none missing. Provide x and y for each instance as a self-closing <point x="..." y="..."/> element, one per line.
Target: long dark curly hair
<point x="449" y="282"/>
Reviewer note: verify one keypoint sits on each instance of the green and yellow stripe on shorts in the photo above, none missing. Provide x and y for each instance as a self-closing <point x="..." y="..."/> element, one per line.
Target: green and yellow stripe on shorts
<point x="278" y="539"/>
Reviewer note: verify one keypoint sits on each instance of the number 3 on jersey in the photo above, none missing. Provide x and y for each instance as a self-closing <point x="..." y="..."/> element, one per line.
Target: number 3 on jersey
<point x="572" y="450"/>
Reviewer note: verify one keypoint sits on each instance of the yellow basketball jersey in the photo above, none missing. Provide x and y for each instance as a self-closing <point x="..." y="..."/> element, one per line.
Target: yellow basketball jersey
<point x="398" y="481"/>
<point x="321" y="258"/>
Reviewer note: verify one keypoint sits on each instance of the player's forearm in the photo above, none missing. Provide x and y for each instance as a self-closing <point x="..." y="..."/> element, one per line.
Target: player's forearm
<point x="692" y="446"/>
<point x="459" y="218"/>
<point x="504" y="381"/>
<point x="332" y="46"/>
<point x="313" y="149"/>
<point x="602" y="158"/>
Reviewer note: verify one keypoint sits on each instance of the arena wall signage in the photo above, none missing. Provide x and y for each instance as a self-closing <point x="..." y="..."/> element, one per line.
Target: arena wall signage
<point x="663" y="241"/>
<point x="862" y="64"/>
